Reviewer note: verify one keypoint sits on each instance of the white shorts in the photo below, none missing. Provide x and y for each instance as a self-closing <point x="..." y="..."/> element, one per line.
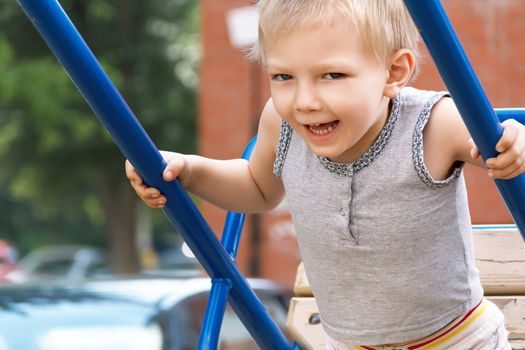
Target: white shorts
<point x="482" y="328"/>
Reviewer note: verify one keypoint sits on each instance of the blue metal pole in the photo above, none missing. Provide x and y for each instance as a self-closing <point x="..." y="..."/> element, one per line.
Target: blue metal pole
<point x="232" y="233"/>
<point x="511" y="113"/>
<point x="211" y="326"/>
<point x="231" y="236"/>
<point x="464" y="86"/>
<point x="68" y="46"/>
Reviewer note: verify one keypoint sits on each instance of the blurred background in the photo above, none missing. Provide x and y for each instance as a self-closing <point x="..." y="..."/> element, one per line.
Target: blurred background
<point x="85" y="264"/>
<point x="181" y="66"/>
<point x="61" y="176"/>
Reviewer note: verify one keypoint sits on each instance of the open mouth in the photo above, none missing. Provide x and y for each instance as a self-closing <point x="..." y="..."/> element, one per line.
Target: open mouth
<point x="322" y="129"/>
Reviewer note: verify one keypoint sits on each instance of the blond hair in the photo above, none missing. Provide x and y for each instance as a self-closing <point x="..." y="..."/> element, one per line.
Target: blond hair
<point x="385" y="25"/>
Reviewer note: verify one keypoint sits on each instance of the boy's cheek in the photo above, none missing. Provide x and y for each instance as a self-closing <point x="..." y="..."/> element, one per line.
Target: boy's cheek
<point x="280" y="105"/>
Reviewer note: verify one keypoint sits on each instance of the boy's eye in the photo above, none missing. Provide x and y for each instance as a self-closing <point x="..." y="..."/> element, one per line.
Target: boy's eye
<point x="281" y="77"/>
<point x="333" y="76"/>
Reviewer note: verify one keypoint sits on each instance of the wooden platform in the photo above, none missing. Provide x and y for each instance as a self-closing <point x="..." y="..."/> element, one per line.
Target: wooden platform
<point x="500" y="257"/>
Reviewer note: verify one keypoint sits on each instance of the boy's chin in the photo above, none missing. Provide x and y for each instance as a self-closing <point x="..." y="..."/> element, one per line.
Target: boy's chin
<point x="331" y="155"/>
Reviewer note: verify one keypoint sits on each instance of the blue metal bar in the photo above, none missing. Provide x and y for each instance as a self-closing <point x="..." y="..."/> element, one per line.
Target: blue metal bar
<point x="464" y="86"/>
<point x="511" y="113"/>
<point x="68" y="46"/>
<point x="494" y="227"/>
<point x="231" y="236"/>
<point x="209" y="338"/>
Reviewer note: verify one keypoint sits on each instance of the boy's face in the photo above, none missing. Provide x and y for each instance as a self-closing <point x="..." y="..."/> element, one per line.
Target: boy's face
<point x="329" y="89"/>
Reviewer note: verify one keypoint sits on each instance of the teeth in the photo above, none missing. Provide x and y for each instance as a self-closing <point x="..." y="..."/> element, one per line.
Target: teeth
<point x="325" y="131"/>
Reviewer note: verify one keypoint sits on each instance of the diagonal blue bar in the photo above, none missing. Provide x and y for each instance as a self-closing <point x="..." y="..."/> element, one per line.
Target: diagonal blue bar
<point x="68" y="46"/>
<point x="465" y="88"/>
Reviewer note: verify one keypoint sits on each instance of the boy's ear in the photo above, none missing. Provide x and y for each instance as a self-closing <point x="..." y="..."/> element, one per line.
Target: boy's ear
<point x="402" y="64"/>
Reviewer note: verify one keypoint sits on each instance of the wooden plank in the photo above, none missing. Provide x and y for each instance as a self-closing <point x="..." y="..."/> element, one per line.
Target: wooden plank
<point x="311" y="335"/>
<point x="301" y="287"/>
<point x="302" y="323"/>
<point x="513" y="307"/>
<point x="500" y="258"/>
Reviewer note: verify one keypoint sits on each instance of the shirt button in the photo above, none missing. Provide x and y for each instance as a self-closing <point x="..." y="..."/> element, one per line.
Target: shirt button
<point x="343" y="213"/>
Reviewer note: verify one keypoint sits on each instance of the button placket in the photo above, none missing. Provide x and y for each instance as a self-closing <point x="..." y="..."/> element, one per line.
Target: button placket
<point x="348" y="202"/>
<point x="345" y="207"/>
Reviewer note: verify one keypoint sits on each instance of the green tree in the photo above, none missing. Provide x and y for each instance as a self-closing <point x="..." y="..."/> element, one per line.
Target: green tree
<point x="59" y="166"/>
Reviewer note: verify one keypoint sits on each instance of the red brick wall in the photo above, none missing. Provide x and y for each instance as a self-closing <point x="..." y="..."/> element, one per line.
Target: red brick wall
<point x="233" y="92"/>
<point x="227" y="112"/>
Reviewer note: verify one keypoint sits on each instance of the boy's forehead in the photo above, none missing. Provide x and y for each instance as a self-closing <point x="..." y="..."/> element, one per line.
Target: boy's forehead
<point x="275" y="28"/>
<point x="330" y="38"/>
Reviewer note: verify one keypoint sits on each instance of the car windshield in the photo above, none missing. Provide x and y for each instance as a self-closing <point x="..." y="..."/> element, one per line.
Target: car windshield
<point x="82" y="324"/>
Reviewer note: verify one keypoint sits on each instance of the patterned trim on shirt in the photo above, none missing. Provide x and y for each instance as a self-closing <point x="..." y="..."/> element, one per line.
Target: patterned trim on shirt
<point x="417" y="147"/>
<point x="373" y="152"/>
<point x="285" y="136"/>
<point x="341" y="169"/>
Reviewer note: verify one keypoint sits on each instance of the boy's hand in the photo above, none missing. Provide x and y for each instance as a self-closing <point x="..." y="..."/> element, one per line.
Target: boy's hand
<point x="511" y="147"/>
<point x="151" y="196"/>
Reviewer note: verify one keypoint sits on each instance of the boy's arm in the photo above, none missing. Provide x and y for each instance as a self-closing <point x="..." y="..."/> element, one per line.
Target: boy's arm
<point x="447" y="140"/>
<point x="239" y="185"/>
<point x="236" y="184"/>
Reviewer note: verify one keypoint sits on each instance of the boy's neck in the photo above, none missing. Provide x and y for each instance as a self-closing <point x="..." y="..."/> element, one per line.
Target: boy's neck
<point x="368" y="139"/>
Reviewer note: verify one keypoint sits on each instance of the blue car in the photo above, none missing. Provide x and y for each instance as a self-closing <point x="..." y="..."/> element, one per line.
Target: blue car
<point x="122" y="314"/>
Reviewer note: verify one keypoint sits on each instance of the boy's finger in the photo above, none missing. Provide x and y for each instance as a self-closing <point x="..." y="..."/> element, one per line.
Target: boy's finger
<point x="131" y="174"/>
<point x="129" y="170"/>
<point x="515" y="173"/>
<point x="136" y="179"/>
<point x="151" y="192"/>
<point x="152" y="200"/>
<point x="502" y="161"/>
<point x="508" y="137"/>
<point x="173" y="168"/>
<point x="509" y="172"/>
<point x="516" y="153"/>
<point x="157" y="203"/>
<point x="138" y="187"/>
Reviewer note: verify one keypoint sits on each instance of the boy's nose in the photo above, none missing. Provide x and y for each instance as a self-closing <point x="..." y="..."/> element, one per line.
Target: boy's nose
<point x="306" y="99"/>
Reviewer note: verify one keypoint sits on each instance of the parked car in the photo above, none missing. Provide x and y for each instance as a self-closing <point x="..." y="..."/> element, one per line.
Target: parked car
<point x="126" y="314"/>
<point x="60" y="261"/>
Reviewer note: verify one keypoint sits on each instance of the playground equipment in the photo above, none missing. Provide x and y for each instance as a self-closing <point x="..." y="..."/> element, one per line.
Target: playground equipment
<point x="218" y="259"/>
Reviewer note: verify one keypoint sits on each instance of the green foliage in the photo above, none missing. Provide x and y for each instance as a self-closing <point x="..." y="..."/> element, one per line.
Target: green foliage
<point x="53" y="151"/>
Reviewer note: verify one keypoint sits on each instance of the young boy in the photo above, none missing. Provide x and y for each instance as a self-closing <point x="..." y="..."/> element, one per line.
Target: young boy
<point x="372" y="171"/>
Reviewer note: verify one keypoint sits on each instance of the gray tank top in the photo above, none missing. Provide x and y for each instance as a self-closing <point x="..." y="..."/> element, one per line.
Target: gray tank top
<point x="387" y="249"/>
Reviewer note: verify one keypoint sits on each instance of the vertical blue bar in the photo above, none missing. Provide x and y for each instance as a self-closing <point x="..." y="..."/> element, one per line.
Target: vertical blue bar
<point x="464" y="86"/>
<point x="210" y="331"/>
<point x="70" y="49"/>
<point x="231" y="236"/>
